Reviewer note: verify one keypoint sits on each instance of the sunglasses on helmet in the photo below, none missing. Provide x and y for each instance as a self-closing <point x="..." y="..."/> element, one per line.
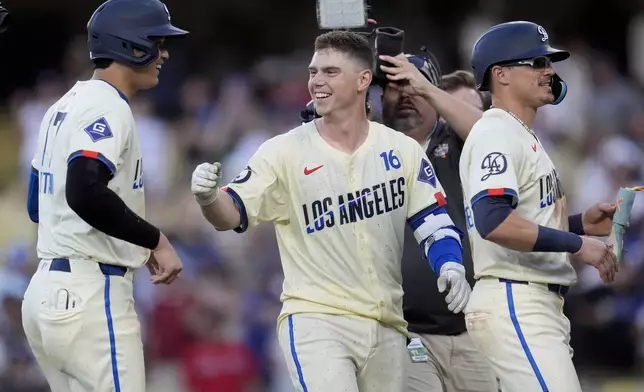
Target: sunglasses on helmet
<point x="539" y="62"/>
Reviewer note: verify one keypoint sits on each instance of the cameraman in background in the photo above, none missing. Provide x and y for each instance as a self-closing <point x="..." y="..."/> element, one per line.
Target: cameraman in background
<point x="441" y="354"/>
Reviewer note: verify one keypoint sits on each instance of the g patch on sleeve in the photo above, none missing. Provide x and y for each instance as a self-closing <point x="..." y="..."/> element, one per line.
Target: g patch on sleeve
<point x="99" y="130"/>
<point x="426" y="173"/>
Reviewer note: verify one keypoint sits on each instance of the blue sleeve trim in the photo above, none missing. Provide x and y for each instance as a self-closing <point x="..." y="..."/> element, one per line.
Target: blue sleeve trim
<point x="496" y="192"/>
<point x="93" y="155"/>
<point x="420" y="216"/>
<point x="32" y="196"/>
<point x="243" y="217"/>
<point x="442" y="251"/>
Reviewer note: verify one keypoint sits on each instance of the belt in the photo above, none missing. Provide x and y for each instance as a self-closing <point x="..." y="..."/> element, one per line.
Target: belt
<point x="555" y="288"/>
<point x="62" y="265"/>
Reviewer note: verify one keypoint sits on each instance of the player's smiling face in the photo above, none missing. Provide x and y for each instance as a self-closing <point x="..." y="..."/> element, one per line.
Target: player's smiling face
<point x="336" y="80"/>
<point x="532" y="84"/>
<point x="148" y="77"/>
<point x="407" y="113"/>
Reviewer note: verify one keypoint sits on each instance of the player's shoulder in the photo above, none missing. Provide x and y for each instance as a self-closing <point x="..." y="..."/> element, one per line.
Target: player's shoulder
<point x="392" y="137"/>
<point x="90" y="99"/>
<point x="493" y="126"/>
<point x="279" y="144"/>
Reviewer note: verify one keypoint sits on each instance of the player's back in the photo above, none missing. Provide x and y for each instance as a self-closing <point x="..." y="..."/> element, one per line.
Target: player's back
<point x="340" y="217"/>
<point x="501" y="157"/>
<point x="94" y="120"/>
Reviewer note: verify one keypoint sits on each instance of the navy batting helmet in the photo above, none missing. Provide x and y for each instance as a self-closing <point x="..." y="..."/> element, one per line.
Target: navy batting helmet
<point x="117" y="27"/>
<point x="510" y="42"/>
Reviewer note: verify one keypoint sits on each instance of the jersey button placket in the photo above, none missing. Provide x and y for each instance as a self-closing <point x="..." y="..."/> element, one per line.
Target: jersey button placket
<point x="366" y="255"/>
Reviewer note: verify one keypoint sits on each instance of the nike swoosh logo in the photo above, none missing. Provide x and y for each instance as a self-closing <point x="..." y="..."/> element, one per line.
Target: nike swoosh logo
<point x="308" y="171"/>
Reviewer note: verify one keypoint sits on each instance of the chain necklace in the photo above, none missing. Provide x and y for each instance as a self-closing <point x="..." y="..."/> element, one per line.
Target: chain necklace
<point x="525" y="126"/>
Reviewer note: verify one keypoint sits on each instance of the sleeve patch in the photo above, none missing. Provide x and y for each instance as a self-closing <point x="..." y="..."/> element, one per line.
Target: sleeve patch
<point x="494" y="163"/>
<point x="243" y="176"/>
<point x="99" y="130"/>
<point x="426" y="173"/>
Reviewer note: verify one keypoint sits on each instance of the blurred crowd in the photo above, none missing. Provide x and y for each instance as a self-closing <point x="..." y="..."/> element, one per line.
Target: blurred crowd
<point x="214" y="329"/>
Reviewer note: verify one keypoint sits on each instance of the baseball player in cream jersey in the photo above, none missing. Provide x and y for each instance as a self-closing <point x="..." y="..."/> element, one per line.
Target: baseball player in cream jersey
<point x="340" y="190"/>
<point x="87" y="197"/>
<point x="520" y="232"/>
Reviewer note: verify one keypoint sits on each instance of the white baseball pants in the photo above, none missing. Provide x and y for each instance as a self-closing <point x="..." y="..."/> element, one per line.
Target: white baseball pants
<point x="80" y="322"/>
<point x="521" y="329"/>
<point x="342" y="353"/>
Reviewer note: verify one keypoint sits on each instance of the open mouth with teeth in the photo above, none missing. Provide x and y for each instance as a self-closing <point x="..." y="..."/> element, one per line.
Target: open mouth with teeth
<point x="546" y="83"/>
<point x="320" y="96"/>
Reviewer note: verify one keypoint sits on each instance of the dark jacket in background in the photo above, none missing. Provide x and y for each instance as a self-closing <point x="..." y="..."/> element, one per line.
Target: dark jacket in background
<point x="424" y="307"/>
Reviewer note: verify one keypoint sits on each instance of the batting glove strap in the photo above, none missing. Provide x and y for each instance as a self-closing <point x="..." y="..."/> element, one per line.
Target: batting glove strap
<point x="208" y="200"/>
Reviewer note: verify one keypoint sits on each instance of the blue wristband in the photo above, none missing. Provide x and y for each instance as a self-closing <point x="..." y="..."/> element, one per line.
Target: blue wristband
<point x="575" y="224"/>
<point x="553" y="240"/>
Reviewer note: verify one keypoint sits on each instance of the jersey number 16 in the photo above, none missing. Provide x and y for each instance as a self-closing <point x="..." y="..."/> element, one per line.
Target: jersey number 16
<point x="390" y="160"/>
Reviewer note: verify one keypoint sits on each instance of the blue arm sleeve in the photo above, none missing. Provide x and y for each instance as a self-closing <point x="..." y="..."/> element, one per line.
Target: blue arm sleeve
<point x="32" y="196"/>
<point x="442" y="251"/>
<point x="490" y="212"/>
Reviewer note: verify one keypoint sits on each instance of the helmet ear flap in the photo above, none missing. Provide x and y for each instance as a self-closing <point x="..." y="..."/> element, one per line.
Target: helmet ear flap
<point x="559" y="89"/>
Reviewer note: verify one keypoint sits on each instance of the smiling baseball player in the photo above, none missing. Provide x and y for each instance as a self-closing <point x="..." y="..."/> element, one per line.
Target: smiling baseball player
<point x="87" y="196"/>
<point x="521" y="234"/>
<point x="340" y="190"/>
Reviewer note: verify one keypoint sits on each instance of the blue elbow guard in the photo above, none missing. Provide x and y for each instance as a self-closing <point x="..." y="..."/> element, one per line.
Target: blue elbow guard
<point x="32" y="196"/>
<point x="442" y="251"/>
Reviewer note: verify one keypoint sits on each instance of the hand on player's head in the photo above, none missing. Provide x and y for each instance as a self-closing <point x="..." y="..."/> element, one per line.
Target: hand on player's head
<point x="405" y="111"/>
<point x="402" y="72"/>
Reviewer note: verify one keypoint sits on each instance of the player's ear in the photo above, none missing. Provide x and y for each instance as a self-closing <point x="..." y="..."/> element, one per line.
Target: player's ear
<point x="500" y="75"/>
<point x="364" y="79"/>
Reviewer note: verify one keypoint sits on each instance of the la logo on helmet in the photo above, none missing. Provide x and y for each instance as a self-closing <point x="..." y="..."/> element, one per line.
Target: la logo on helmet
<point x="544" y="34"/>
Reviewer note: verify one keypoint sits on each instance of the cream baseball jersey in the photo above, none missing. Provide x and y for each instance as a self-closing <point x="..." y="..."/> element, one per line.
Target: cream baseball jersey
<point x="340" y="217"/>
<point x="501" y="157"/>
<point x="92" y="120"/>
